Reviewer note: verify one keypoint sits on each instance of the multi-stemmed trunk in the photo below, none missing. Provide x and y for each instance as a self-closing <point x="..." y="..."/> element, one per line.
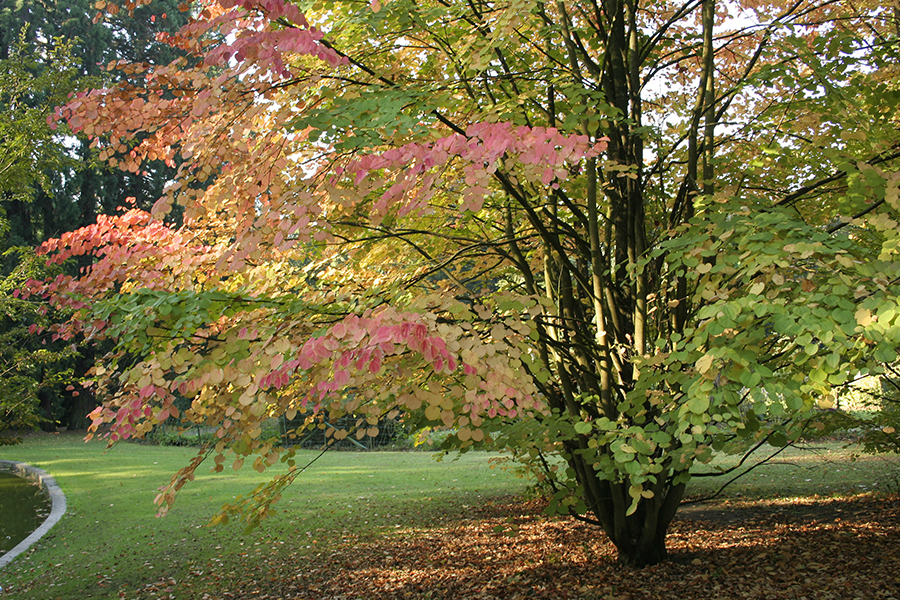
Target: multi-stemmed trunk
<point x="599" y="284"/>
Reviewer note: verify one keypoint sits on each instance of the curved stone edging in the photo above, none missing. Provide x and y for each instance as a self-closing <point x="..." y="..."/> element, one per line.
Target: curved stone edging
<point x="57" y="504"/>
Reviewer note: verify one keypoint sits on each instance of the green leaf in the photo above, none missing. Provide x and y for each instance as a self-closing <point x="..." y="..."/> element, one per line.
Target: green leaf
<point x="778" y="439"/>
<point x="583" y="427"/>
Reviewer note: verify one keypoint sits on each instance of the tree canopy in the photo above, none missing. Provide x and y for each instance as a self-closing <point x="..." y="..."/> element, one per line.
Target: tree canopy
<point x="29" y="151"/>
<point x="28" y="147"/>
<point x="59" y="40"/>
<point x="51" y="182"/>
<point x="613" y="237"/>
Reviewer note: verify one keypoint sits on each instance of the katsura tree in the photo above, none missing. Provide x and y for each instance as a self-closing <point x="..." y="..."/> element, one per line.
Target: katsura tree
<point x="869" y="410"/>
<point x="615" y="238"/>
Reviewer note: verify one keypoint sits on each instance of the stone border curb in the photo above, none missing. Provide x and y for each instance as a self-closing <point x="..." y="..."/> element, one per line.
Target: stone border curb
<point x="57" y="508"/>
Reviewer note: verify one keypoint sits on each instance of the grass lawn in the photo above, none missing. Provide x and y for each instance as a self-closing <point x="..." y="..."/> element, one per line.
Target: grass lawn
<point x="822" y="469"/>
<point x="349" y="505"/>
<point x="110" y="539"/>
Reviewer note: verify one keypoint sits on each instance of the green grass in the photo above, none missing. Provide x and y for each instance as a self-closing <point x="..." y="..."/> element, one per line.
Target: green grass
<point x="111" y="545"/>
<point x="111" y="541"/>
<point x="816" y="469"/>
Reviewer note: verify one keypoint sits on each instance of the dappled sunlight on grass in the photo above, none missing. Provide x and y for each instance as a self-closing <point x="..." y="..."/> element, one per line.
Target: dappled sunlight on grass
<point x="821" y="468"/>
<point x="386" y="525"/>
<point x="111" y="539"/>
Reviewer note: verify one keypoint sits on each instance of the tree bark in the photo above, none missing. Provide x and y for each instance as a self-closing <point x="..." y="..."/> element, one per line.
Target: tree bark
<point x="640" y="538"/>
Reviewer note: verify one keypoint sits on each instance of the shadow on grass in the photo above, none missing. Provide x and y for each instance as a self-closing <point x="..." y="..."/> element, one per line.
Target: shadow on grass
<point x="778" y="552"/>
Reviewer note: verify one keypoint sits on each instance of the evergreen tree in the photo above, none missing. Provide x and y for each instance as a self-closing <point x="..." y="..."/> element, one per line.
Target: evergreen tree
<point x="51" y="183"/>
<point x="77" y="194"/>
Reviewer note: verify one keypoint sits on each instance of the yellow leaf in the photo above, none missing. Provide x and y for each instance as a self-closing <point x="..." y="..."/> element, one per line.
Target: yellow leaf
<point x="863" y="316"/>
<point x="844" y="260"/>
<point x="826" y="402"/>
<point x="704" y="363"/>
<point x="216" y="376"/>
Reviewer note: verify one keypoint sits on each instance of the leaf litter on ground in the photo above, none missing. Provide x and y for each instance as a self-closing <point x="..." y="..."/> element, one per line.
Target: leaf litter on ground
<point x="814" y="548"/>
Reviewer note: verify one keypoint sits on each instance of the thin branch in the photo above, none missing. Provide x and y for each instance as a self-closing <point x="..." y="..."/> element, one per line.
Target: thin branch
<point x="736" y="477"/>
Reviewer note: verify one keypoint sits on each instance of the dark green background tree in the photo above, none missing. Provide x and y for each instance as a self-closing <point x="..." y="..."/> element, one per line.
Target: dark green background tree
<point x="51" y="182"/>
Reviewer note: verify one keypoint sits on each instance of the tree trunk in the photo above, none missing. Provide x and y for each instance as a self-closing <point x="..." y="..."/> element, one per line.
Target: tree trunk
<point x="645" y="551"/>
<point x="640" y="538"/>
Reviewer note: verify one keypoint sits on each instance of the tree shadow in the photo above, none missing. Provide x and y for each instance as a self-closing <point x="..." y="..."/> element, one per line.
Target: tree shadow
<point x="815" y="548"/>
